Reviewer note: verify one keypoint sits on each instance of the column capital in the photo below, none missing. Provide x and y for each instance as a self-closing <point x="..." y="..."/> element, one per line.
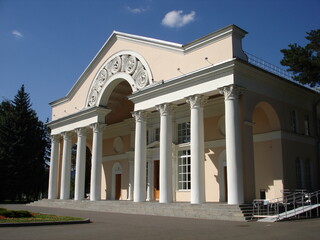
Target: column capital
<point x="55" y="138"/>
<point x="97" y="127"/>
<point x="231" y="92"/>
<point x="81" y="131"/>
<point x="197" y="100"/>
<point x="67" y="135"/>
<point x="140" y="116"/>
<point x="165" y="109"/>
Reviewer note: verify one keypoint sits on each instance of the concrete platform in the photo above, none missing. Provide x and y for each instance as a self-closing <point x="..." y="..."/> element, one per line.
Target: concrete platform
<point x="212" y="211"/>
<point x="139" y="227"/>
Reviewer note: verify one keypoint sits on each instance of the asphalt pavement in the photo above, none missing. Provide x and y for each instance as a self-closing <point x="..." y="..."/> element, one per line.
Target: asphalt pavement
<point x="138" y="227"/>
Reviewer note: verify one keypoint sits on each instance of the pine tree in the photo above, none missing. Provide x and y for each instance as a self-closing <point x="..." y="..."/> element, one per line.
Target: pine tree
<point x="25" y="141"/>
<point x="304" y="62"/>
<point x="6" y="150"/>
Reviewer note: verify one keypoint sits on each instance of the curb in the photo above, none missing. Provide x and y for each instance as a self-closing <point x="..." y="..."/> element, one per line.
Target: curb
<point x="87" y="220"/>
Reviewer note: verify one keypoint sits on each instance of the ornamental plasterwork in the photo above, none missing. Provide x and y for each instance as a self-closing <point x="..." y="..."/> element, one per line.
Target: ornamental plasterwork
<point x="231" y="92"/>
<point x="165" y="109"/>
<point x="125" y="63"/>
<point x="197" y="100"/>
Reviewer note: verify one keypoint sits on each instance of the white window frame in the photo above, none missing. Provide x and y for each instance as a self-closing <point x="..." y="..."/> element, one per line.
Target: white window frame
<point x="184" y="170"/>
<point x="181" y="127"/>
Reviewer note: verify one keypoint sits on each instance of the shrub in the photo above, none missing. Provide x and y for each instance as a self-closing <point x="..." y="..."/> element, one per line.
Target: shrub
<point x="15" y="213"/>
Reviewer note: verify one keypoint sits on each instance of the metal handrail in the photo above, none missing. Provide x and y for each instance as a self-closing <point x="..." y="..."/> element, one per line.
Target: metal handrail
<point x="254" y="60"/>
<point x="282" y="205"/>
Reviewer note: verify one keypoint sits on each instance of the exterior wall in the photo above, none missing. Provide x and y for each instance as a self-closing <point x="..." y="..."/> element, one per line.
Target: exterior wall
<point x="298" y="150"/>
<point x="265" y="169"/>
<point x="109" y="181"/>
<point x="214" y="174"/>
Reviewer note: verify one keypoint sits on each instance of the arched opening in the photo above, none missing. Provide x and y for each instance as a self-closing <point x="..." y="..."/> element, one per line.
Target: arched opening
<point x="267" y="152"/>
<point x="115" y="98"/>
<point x="119" y="104"/>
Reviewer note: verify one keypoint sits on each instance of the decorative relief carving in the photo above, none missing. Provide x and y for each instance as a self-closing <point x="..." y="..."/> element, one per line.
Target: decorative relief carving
<point x="81" y="132"/>
<point x="97" y="127"/>
<point x="118" y="145"/>
<point x="165" y="109"/>
<point x="140" y="116"/>
<point x="197" y="100"/>
<point x="55" y="138"/>
<point x="122" y="63"/>
<point x="67" y="135"/>
<point x="231" y="92"/>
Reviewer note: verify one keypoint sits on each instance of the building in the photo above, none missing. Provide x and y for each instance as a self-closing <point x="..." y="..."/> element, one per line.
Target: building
<point x="192" y="123"/>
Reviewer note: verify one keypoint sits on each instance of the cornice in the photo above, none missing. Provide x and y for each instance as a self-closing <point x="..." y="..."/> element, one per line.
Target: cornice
<point x="97" y="112"/>
<point x="247" y="68"/>
<point x="171" y="85"/>
<point x="217" y="35"/>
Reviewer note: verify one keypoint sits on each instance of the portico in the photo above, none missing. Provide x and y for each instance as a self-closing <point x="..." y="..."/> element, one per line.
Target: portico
<point x="159" y="116"/>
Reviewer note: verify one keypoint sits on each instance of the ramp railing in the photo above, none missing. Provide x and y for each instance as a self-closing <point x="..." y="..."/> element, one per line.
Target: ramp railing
<point x="296" y="204"/>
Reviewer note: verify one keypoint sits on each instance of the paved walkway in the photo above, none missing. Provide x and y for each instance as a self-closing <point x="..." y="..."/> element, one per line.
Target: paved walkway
<point x="125" y="226"/>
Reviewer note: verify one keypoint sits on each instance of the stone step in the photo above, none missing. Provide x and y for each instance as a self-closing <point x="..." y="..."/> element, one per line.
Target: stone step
<point x="214" y="211"/>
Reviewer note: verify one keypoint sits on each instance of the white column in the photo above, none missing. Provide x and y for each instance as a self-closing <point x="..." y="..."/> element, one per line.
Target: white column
<point x="233" y="144"/>
<point x="96" y="161"/>
<point x="150" y="181"/>
<point x="166" y="195"/>
<point x="53" y="174"/>
<point x="197" y="148"/>
<point x="140" y="154"/>
<point x="80" y="163"/>
<point x="130" y="188"/>
<point x="66" y="166"/>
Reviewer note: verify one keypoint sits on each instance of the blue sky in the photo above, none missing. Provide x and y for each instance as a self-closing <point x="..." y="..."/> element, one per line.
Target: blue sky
<point x="47" y="44"/>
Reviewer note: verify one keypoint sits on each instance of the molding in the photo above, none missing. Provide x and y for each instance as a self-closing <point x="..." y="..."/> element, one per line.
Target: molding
<point x="215" y="36"/>
<point x="284" y="135"/>
<point x="80" y="119"/>
<point x="207" y="74"/>
<point x="262" y="82"/>
<point x="135" y="69"/>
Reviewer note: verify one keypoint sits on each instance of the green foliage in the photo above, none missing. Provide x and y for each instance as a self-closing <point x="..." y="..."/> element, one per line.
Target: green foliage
<point x="23" y="150"/>
<point x="304" y="62"/>
<point x="15" y="213"/>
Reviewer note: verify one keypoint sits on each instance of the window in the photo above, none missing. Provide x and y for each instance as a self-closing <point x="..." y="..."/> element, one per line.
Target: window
<point x="293" y="119"/>
<point x="308" y="174"/>
<point x="298" y="174"/>
<point x="306" y="125"/>
<point x="184" y="170"/>
<point x="184" y="132"/>
<point x="157" y="134"/>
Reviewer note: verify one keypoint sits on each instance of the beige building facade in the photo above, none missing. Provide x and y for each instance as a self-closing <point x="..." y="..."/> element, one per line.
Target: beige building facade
<point x="183" y="123"/>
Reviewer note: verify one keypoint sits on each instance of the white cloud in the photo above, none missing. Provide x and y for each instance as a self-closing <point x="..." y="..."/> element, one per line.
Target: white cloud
<point x="17" y="34"/>
<point x="178" y="19"/>
<point x="136" y="10"/>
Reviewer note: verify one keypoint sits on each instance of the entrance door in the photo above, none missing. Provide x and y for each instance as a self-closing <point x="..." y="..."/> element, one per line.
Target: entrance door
<point x="225" y="183"/>
<point x="156" y="180"/>
<point x="118" y="187"/>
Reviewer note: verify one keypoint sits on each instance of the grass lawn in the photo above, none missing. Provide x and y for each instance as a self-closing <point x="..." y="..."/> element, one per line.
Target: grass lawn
<point x="12" y="216"/>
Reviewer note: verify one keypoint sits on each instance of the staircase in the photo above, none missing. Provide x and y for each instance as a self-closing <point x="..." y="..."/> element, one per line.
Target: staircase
<point x="292" y="205"/>
<point x="213" y="211"/>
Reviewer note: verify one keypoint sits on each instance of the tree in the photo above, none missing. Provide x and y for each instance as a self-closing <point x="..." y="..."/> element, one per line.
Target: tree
<point x="304" y="62"/>
<point x="23" y="149"/>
